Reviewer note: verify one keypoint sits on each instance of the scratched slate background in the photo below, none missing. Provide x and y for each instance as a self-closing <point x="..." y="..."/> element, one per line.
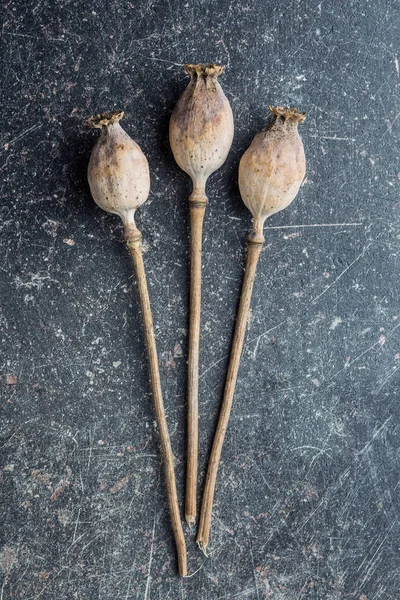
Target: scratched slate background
<point x="307" y="502"/>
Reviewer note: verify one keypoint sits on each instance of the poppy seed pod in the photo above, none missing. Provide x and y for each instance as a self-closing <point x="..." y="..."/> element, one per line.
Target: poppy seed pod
<point x="118" y="171"/>
<point x="200" y="134"/>
<point x="119" y="180"/>
<point x="272" y="168"/>
<point x="270" y="174"/>
<point x="201" y="125"/>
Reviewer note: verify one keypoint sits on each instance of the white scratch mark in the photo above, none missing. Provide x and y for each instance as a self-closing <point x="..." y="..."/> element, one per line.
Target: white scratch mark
<point x="335" y="138"/>
<point x="307" y="447"/>
<point x="76" y="526"/>
<point x="348" y="363"/>
<point x="315" y="225"/>
<point x="341" y="274"/>
<point x="351" y="362"/>
<point x="20" y="136"/>
<point x="375" y="435"/>
<point x="146" y="594"/>
<point x="256" y="348"/>
<point x="256" y="339"/>
<point x="372" y="561"/>
<point x="266" y="332"/>
<point x="130" y="580"/>
<point x="254" y="571"/>
<point x="25" y="35"/>
<point x="213" y="365"/>
<point x="162" y="60"/>
<point x="326" y="498"/>
<point x="393" y="372"/>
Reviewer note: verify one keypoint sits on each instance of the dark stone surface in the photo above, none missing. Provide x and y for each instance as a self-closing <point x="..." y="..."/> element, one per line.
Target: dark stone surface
<point x="307" y="501"/>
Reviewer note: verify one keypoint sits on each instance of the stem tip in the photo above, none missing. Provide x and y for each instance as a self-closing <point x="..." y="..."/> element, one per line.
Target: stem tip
<point x="190" y="520"/>
<point x="203" y="547"/>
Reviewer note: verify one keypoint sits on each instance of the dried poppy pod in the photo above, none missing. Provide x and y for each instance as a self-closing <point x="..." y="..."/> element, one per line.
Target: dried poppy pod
<point x="201" y="126"/>
<point x="270" y="174"/>
<point x="272" y="168"/>
<point x="118" y="171"/>
<point x="119" y="180"/>
<point x="201" y="134"/>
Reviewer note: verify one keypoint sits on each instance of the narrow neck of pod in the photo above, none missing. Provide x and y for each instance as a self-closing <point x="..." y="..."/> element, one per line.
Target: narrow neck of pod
<point x="132" y="234"/>
<point x="132" y="237"/>
<point x="256" y="235"/>
<point x="198" y="198"/>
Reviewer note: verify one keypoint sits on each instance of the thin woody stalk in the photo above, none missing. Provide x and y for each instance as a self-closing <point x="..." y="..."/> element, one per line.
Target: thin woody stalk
<point x="201" y="133"/>
<point x="134" y="243"/>
<point x="119" y="180"/>
<point x="270" y="175"/>
<point x="197" y="211"/>
<point x="253" y="253"/>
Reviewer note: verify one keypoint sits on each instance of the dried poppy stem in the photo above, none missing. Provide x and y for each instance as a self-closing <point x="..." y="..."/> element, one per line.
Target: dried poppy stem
<point x="201" y="133"/>
<point x="119" y="180"/>
<point x="134" y="243"/>
<point x="270" y="174"/>
<point x="253" y="253"/>
<point x="197" y="211"/>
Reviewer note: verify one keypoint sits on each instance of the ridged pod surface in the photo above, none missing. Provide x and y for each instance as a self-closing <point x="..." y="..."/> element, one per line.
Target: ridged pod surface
<point x="272" y="168"/>
<point x="201" y="125"/>
<point x="118" y="171"/>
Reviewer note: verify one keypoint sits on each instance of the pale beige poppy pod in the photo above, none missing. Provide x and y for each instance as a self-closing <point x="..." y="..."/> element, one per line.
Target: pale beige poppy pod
<point x="272" y="168"/>
<point x="118" y="171"/>
<point x="201" y="126"/>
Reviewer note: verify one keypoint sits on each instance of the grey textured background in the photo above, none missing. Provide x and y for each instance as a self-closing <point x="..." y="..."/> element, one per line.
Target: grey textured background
<point x="307" y="500"/>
